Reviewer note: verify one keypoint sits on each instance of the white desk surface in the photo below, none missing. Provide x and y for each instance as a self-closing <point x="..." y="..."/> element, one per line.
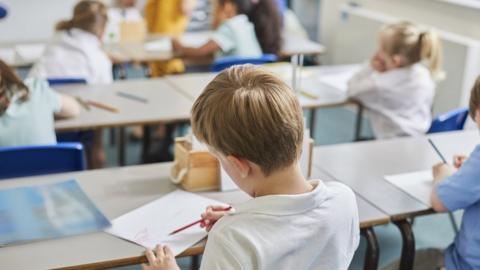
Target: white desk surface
<point x="363" y="165"/>
<point x="192" y="85"/>
<point x="116" y="191"/>
<point x="136" y="52"/>
<point x="165" y="104"/>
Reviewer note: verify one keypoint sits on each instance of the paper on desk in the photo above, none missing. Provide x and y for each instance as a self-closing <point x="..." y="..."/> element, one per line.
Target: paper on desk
<point x="338" y="80"/>
<point x="416" y="184"/>
<point x="7" y="55"/>
<point x="150" y="224"/>
<point x="30" y="52"/>
<point x="163" y="44"/>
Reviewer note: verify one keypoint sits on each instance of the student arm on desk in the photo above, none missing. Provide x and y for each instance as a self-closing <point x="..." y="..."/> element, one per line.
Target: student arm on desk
<point x="207" y="49"/>
<point x="69" y="107"/>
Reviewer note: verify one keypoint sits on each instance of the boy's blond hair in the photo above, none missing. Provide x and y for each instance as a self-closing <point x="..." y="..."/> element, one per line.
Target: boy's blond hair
<point x="474" y="103"/>
<point x="407" y="39"/>
<point x="249" y="113"/>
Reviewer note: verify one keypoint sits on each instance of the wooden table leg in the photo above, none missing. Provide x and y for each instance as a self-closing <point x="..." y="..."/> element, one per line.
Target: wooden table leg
<point x="373" y="252"/>
<point x="121" y="146"/>
<point x="408" y="245"/>
<point x="146" y="139"/>
<point x="312" y="122"/>
<point x="195" y="262"/>
<point x="358" y="123"/>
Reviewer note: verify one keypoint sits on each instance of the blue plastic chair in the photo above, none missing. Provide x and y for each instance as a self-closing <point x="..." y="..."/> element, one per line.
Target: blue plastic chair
<point x="20" y="161"/>
<point x="3" y="11"/>
<point x="226" y="62"/>
<point x="449" y="121"/>
<point x="63" y="81"/>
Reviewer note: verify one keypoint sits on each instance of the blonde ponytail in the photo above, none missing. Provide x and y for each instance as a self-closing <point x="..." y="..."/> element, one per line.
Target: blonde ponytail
<point x="431" y="51"/>
<point x="407" y="40"/>
<point x="64" y="25"/>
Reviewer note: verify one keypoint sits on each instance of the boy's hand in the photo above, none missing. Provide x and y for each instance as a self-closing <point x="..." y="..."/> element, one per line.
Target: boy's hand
<point x="162" y="259"/>
<point x="442" y="171"/>
<point x="458" y="160"/>
<point x="211" y="215"/>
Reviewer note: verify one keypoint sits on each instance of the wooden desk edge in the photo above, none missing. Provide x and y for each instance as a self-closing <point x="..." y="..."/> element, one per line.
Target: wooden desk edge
<point x="192" y="251"/>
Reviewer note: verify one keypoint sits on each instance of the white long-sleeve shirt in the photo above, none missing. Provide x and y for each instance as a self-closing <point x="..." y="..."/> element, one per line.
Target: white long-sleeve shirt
<point x="398" y="101"/>
<point x="75" y="54"/>
<point x="315" y="230"/>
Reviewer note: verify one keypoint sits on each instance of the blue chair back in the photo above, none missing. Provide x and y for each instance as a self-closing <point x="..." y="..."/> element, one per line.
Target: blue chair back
<point x="20" y="161"/>
<point x="449" y="121"/>
<point x="226" y="62"/>
<point x="3" y="11"/>
<point x="63" y="81"/>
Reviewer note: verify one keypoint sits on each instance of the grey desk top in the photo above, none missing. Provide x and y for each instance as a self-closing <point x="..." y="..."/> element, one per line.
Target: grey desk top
<point x="165" y="104"/>
<point x="362" y="166"/>
<point x="116" y="191"/>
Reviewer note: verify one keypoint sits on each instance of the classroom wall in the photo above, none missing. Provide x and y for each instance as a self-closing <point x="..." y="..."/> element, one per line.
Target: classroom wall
<point x="443" y="15"/>
<point x="33" y="19"/>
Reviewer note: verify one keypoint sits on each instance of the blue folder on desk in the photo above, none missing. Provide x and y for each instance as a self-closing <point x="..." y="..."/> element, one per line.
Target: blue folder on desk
<point x="47" y="211"/>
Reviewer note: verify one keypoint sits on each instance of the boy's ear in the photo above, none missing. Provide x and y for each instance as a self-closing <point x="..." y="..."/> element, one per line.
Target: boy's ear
<point x="242" y="166"/>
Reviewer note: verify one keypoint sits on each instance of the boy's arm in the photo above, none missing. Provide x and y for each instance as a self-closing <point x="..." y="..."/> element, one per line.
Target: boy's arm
<point x="207" y="49"/>
<point x="461" y="189"/>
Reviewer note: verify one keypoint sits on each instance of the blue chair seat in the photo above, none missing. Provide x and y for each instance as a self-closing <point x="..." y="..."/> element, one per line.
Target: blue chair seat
<point x="449" y="121"/>
<point x="20" y="161"/>
<point x="226" y="62"/>
<point x="62" y="81"/>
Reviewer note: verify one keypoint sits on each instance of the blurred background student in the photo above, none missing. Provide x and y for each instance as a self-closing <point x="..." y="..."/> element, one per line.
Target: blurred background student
<point x="396" y="87"/>
<point x="27" y="110"/>
<point x="76" y="52"/>
<point x="167" y="17"/>
<point x="242" y="28"/>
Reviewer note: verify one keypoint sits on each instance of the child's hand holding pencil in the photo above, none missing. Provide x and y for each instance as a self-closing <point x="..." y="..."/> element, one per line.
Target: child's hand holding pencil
<point x="212" y="215"/>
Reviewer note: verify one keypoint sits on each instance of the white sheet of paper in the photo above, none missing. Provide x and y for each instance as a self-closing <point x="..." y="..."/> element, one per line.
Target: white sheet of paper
<point x="195" y="39"/>
<point x="163" y="44"/>
<point x="7" y="55"/>
<point x="30" y="52"/>
<point x="338" y="80"/>
<point x="150" y="224"/>
<point x="416" y="184"/>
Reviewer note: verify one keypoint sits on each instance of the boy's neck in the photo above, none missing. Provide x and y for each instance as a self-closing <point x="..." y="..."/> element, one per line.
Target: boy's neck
<point x="289" y="181"/>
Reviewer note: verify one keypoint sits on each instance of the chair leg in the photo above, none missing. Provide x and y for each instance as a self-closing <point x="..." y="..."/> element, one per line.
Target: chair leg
<point x="453" y="221"/>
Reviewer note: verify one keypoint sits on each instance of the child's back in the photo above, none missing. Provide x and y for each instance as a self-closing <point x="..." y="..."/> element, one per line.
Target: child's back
<point x="76" y="50"/>
<point x="395" y="87"/>
<point x="316" y="230"/>
<point x="400" y="100"/>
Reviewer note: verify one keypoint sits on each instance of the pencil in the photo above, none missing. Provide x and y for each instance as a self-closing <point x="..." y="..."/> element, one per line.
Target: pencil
<point x="132" y="97"/>
<point x="102" y="106"/>
<point x="438" y="151"/>
<point x="83" y="103"/>
<point x="194" y="223"/>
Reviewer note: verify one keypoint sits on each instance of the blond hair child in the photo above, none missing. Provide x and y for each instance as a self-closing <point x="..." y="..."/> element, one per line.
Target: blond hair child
<point x="396" y="87"/>
<point x="252" y="122"/>
<point x="76" y="51"/>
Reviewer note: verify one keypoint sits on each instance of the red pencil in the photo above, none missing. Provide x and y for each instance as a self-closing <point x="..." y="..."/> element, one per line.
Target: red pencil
<point x="194" y="223"/>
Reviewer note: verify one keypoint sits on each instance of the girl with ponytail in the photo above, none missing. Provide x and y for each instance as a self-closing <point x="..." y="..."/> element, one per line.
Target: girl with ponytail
<point x="398" y="85"/>
<point x="76" y="52"/>
<point x="242" y="28"/>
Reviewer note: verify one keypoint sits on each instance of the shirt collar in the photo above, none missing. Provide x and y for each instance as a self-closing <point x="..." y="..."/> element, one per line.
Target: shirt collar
<point x="285" y="204"/>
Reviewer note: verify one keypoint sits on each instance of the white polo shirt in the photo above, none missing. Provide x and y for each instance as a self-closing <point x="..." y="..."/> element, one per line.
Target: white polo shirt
<point x="74" y="54"/>
<point x="315" y="230"/>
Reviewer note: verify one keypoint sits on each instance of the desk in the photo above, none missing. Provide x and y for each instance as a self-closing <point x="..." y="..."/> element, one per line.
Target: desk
<point x="362" y="166"/>
<point x="165" y="105"/>
<point x="192" y="85"/>
<point x="115" y="191"/>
